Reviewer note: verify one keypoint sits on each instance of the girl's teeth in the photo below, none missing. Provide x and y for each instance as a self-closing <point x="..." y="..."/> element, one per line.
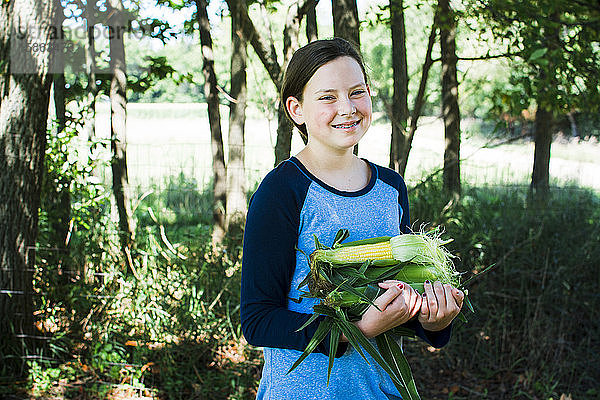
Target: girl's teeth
<point x="346" y="125"/>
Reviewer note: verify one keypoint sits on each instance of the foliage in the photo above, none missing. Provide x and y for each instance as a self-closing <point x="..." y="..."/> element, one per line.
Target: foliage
<point x="522" y="333"/>
<point x="557" y="55"/>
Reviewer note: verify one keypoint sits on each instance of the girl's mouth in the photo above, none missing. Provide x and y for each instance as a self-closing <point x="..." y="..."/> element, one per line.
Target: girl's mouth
<point x="346" y="125"/>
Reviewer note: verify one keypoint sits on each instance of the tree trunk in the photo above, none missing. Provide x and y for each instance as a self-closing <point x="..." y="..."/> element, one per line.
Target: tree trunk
<point x="540" y="178"/>
<point x="118" y="119"/>
<point x="345" y="21"/>
<point x="291" y="31"/>
<point x="399" y="105"/>
<point x="405" y="142"/>
<point x="268" y="56"/>
<point x="283" y="146"/>
<point x="346" y="25"/>
<point x="90" y="67"/>
<point x="450" y="110"/>
<point x="236" y="173"/>
<point x="214" y="118"/>
<point x="58" y="201"/>
<point x="23" y="116"/>
<point x="544" y="120"/>
<point x="311" y="22"/>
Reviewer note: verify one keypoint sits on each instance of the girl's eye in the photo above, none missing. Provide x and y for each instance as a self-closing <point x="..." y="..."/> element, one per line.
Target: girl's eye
<point x="326" y="98"/>
<point x="358" y="92"/>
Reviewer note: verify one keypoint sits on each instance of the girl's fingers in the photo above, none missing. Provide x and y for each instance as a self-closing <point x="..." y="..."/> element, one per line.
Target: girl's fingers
<point x="450" y="301"/>
<point x="440" y="294"/>
<point x="431" y="299"/>
<point x="389" y="283"/>
<point x="389" y="295"/>
<point x="424" y="312"/>
<point x="418" y="300"/>
<point x="459" y="296"/>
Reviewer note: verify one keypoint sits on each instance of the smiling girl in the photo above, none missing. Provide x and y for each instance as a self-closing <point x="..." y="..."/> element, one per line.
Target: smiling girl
<point x="322" y="189"/>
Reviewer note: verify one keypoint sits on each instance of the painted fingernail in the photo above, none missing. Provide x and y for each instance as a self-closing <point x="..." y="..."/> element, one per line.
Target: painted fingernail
<point x="400" y="286"/>
<point x="427" y="282"/>
<point x="424" y="294"/>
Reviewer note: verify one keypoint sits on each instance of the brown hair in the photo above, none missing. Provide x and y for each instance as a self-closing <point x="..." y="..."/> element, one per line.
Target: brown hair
<point x="306" y="61"/>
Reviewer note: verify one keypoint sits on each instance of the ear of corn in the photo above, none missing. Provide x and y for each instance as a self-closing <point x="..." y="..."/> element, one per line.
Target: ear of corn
<point x="345" y="278"/>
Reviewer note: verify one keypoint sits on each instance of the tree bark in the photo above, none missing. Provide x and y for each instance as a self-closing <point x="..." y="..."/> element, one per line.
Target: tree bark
<point x="405" y="143"/>
<point x="346" y="25"/>
<point x="23" y="117"/>
<point x="118" y="120"/>
<point x="268" y="56"/>
<point x="399" y="107"/>
<point x="312" y="33"/>
<point x="214" y="118"/>
<point x="345" y="21"/>
<point x="291" y="32"/>
<point x="450" y="110"/>
<point x="544" y="120"/>
<point x="540" y="178"/>
<point x="90" y="67"/>
<point x="236" y="173"/>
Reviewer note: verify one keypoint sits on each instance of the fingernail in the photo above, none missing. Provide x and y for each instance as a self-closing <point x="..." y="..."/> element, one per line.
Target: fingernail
<point x="400" y="286"/>
<point x="424" y="294"/>
<point x="427" y="282"/>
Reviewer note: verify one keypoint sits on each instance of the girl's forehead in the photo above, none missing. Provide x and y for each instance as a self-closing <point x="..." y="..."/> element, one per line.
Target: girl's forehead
<point x="344" y="71"/>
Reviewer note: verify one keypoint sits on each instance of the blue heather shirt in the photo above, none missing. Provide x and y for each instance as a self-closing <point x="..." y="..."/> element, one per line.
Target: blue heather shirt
<point x="289" y="207"/>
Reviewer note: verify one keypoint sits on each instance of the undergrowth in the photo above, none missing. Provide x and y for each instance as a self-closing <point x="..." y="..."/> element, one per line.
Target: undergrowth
<point x="167" y="324"/>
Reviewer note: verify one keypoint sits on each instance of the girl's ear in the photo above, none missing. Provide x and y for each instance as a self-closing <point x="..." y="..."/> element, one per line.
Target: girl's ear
<point x="294" y="108"/>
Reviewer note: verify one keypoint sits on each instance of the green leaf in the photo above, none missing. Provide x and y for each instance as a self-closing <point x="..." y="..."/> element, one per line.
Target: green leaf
<point x="324" y="310"/>
<point x="341" y="235"/>
<point x="366" y="241"/>
<point x="392" y="353"/>
<point x="539" y="53"/>
<point x="320" y="334"/>
<point x="308" y="322"/>
<point x="334" y="341"/>
<point x="357" y="339"/>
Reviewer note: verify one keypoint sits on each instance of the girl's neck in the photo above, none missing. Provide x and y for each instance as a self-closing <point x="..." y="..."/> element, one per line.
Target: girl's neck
<point x="327" y="161"/>
<point x="341" y="170"/>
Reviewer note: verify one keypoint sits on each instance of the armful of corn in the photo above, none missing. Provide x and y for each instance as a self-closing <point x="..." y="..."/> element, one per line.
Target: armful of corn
<point x="345" y="276"/>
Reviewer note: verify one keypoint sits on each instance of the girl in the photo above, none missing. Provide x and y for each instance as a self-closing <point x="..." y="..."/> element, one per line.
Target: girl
<point x="325" y="187"/>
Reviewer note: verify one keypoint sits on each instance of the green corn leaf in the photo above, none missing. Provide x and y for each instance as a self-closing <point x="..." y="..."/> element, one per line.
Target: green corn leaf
<point x="366" y="241"/>
<point x="359" y="339"/>
<point x="334" y="341"/>
<point x="392" y="353"/>
<point x="352" y="340"/>
<point x="318" y="244"/>
<point x="308" y="322"/>
<point x="324" y="310"/>
<point x="320" y="334"/>
<point x="340" y="236"/>
<point x="469" y="304"/>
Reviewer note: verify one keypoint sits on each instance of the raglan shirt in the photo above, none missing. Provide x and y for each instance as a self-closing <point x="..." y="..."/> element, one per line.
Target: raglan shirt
<point x="288" y="208"/>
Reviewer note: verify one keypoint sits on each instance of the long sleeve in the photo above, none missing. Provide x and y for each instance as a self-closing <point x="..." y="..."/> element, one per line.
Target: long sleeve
<point x="268" y="263"/>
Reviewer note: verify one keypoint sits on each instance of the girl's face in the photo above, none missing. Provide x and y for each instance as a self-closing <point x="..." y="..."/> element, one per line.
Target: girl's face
<point x="336" y="105"/>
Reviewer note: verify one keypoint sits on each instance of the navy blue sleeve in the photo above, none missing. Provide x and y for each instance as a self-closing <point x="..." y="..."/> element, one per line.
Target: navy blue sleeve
<point x="268" y="263"/>
<point x="435" y="339"/>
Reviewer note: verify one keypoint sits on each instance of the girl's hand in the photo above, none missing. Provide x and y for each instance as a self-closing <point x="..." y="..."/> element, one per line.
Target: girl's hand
<point x="398" y="304"/>
<point x="441" y="304"/>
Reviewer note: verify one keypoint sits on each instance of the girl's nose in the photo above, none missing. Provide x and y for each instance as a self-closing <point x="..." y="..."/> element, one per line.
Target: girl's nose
<point x="347" y="107"/>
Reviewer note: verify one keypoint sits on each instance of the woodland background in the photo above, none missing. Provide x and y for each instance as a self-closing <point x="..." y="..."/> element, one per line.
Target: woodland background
<point x="132" y="134"/>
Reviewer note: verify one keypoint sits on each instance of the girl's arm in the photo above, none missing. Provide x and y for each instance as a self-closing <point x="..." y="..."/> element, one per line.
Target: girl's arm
<point x="268" y="264"/>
